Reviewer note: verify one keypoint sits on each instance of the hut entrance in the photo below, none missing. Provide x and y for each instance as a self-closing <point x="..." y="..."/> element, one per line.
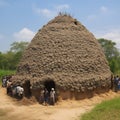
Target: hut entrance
<point x="27" y="88"/>
<point x="49" y="84"/>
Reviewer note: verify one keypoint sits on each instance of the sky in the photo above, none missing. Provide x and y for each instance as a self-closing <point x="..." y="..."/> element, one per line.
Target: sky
<point x="20" y="20"/>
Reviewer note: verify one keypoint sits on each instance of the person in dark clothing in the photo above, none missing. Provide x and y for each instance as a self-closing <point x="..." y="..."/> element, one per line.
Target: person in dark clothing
<point x="116" y="83"/>
<point x="41" y="100"/>
<point x="46" y="96"/>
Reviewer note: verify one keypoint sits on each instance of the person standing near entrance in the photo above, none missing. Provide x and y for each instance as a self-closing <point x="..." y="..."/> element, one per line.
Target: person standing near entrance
<point x="52" y="96"/>
<point x="46" y="96"/>
<point x="41" y="100"/>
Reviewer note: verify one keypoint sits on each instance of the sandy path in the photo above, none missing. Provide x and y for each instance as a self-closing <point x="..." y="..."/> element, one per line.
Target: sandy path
<point x="64" y="110"/>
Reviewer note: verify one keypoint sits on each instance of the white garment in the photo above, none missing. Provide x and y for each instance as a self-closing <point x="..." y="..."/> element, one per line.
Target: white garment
<point x="52" y="94"/>
<point x="19" y="90"/>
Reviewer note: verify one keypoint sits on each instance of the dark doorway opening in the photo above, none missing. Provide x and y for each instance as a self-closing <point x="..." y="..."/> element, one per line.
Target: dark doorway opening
<point x="49" y="84"/>
<point x="27" y="89"/>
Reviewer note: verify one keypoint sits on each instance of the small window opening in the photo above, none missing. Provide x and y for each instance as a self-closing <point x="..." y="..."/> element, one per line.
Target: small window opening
<point x="75" y="22"/>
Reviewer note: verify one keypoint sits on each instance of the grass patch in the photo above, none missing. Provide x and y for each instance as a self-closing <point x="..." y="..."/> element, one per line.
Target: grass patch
<point x="107" y="110"/>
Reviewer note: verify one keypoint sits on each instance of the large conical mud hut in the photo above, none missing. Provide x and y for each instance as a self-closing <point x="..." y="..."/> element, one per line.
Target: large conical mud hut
<point x="64" y="55"/>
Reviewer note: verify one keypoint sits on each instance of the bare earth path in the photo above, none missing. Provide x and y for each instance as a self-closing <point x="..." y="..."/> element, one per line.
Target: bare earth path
<point x="11" y="109"/>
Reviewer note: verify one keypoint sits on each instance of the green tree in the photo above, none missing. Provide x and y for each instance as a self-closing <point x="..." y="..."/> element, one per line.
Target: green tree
<point x="112" y="54"/>
<point x="18" y="46"/>
<point x="10" y="59"/>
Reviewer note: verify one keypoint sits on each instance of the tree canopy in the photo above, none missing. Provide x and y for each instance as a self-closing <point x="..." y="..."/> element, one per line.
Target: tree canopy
<point x="18" y="46"/>
<point x="112" y="54"/>
<point x="10" y="59"/>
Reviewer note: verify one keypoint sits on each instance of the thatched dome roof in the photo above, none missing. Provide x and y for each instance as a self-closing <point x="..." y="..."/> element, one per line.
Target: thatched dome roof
<point x="66" y="52"/>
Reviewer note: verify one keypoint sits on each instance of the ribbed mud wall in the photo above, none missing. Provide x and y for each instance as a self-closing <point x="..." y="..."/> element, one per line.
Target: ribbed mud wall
<point x="65" y="52"/>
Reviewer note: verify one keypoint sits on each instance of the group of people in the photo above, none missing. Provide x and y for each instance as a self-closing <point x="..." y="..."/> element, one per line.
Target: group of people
<point x="11" y="89"/>
<point x="116" y="83"/>
<point x="47" y="97"/>
<point x="5" y="80"/>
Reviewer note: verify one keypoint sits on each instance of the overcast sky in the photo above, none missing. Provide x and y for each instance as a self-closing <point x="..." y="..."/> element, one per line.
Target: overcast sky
<point x="21" y="19"/>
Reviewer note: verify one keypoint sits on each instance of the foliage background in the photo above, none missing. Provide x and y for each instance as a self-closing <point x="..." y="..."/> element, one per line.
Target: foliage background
<point x="112" y="54"/>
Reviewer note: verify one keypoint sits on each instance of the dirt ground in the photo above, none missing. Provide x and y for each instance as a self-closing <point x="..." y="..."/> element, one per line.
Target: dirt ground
<point x="63" y="110"/>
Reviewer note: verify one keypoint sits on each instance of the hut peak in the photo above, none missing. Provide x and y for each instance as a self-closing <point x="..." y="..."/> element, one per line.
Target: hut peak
<point x="64" y="18"/>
